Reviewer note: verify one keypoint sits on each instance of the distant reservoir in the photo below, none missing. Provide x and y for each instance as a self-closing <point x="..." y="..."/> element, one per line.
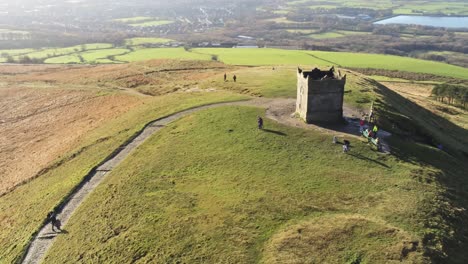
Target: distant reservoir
<point x="433" y="21"/>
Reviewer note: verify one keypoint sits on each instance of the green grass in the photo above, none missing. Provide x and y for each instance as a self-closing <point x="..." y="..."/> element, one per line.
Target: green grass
<point x="389" y="62"/>
<point x="44" y="53"/>
<point x="237" y="188"/>
<point x="256" y="57"/>
<point x="162" y="53"/>
<point x="253" y="57"/>
<point x="413" y="7"/>
<point x="133" y="19"/>
<point x="443" y="7"/>
<point x="63" y="59"/>
<point x="152" y="23"/>
<point x="302" y="31"/>
<point x="337" y="34"/>
<point x="94" y="56"/>
<point x="326" y="35"/>
<point x="259" y="81"/>
<point x="39" y="196"/>
<point x="141" y="41"/>
<point x="13" y="52"/>
<point x="280" y="82"/>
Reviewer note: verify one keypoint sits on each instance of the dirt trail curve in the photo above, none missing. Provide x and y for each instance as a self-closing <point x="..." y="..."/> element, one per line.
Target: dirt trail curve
<point x="279" y="110"/>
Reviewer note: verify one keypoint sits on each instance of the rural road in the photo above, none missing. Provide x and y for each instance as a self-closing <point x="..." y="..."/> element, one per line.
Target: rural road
<point x="279" y="110"/>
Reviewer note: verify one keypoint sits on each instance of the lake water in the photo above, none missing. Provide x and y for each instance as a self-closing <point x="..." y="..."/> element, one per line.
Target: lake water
<point x="447" y="22"/>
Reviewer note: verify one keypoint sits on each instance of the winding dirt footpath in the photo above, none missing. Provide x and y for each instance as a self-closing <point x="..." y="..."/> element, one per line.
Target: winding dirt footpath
<point x="280" y="110"/>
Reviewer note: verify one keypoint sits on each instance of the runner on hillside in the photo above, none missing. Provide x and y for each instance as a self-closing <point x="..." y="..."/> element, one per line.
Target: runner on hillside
<point x="260" y="123"/>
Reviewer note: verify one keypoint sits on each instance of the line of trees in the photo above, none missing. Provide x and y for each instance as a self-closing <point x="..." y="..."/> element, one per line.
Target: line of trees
<point x="451" y="94"/>
<point x="23" y="59"/>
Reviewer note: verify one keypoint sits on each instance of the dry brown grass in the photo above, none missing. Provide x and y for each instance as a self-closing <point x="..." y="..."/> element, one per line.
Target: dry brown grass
<point x="420" y="94"/>
<point x="342" y="239"/>
<point x="37" y="126"/>
<point x="45" y="109"/>
<point x="155" y="77"/>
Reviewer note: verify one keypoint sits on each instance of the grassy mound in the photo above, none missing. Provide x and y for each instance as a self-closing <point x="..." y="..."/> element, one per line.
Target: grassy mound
<point x="341" y="239"/>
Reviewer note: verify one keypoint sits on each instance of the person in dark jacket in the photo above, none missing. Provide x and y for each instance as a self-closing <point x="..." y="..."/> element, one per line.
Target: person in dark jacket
<point x="260" y="123"/>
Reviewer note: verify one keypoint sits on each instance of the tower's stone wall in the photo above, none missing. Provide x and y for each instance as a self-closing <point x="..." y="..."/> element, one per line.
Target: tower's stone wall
<point x="320" y="96"/>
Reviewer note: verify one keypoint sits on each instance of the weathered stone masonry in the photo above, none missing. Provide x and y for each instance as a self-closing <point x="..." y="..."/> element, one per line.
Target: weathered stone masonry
<point x="320" y="95"/>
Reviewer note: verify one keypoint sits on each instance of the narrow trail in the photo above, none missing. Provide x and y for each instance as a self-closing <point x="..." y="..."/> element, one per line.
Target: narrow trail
<point x="279" y="110"/>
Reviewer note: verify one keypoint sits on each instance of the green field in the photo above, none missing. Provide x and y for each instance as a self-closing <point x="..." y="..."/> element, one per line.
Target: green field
<point x="52" y="52"/>
<point x="326" y="35"/>
<point x="141" y="41"/>
<point x="302" y="31"/>
<point x="65" y="59"/>
<point x="255" y="57"/>
<point x="130" y="20"/>
<point x="343" y="59"/>
<point x="337" y="34"/>
<point x="94" y="56"/>
<point x="14" y="52"/>
<point x="162" y="53"/>
<point x="152" y="23"/>
<point x="412" y="7"/>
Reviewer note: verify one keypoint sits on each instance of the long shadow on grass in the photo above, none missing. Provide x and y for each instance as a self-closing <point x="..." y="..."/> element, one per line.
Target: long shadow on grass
<point x="361" y="157"/>
<point x="275" y="132"/>
<point x="446" y="217"/>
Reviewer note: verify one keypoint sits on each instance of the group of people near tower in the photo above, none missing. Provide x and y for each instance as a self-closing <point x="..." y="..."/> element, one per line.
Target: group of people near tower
<point x="370" y="130"/>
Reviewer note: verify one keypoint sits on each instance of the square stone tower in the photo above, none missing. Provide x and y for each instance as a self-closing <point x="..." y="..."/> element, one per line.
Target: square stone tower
<point x="320" y="95"/>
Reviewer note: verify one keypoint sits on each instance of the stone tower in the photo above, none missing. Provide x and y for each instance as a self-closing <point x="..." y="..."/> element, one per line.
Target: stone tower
<point x="320" y="95"/>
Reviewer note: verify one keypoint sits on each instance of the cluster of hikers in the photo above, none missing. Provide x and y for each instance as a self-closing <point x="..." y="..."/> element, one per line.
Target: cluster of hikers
<point x="234" y="78"/>
<point x="368" y="131"/>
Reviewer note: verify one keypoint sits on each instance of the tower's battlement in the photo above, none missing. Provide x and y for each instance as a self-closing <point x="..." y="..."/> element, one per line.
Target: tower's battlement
<point x="320" y="95"/>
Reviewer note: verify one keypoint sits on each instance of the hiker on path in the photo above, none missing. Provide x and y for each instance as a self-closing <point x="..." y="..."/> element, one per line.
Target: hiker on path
<point x="260" y="123"/>
<point x="54" y="222"/>
<point x="225" y="77"/>
<point x="234" y="78"/>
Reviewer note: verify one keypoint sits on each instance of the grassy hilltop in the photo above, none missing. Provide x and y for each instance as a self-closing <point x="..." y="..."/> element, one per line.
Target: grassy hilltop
<point x="211" y="188"/>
